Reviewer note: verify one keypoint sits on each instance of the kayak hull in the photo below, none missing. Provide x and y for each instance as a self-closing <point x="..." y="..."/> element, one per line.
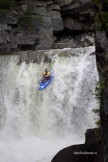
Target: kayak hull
<point x="45" y="84"/>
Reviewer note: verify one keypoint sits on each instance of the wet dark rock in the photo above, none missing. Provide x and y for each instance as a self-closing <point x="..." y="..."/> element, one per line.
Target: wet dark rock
<point x="41" y="11"/>
<point x="24" y="7"/>
<point x="55" y="7"/>
<point x="5" y="27"/>
<point x="75" y="24"/>
<point x="52" y="21"/>
<point x="90" y="137"/>
<point x="25" y="40"/>
<point x="4" y="37"/>
<point x="56" y="20"/>
<point x="76" y="7"/>
<point x="63" y="45"/>
<point x="37" y="56"/>
<point x="9" y="20"/>
<point x="77" y="153"/>
<point x="101" y="41"/>
<point x="5" y="47"/>
<point x="105" y="95"/>
<point x="44" y="46"/>
<point x="41" y="21"/>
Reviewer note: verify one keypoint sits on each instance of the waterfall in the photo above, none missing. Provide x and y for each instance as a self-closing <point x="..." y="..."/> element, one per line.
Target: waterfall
<point x="35" y="125"/>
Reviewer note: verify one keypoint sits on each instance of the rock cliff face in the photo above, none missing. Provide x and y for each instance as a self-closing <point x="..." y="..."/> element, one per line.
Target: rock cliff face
<point x="47" y="24"/>
<point x="102" y="64"/>
<point x="87" y="152"/>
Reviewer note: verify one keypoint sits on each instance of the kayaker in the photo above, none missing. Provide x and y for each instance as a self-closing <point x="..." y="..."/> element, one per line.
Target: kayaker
<point x="46" y="75"/>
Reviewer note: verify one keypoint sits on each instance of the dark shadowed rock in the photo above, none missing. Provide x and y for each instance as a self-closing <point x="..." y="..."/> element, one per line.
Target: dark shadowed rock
<point x="101" y="41"/>
<point x="41" y="21"/>
<point x="75" y="24"/>
<point x="56" y="20"/>
<point x="56" y="7"/>
<point x="105" y="95"/>
<point x="77" y="153"/>
<point x="37" y="56"/>
<point x="4" y="37"/>
<point x="41" y="11"/>
<point x="44" y="46"/>
<point x="63" y="45"/>
<point x="24" y="7"/>
<point x="90" y="137"/>
<point x="76" y="7"/>
<point x="24" y="40"/>
<point x="5" y="27"/>
<point x="8" y="20"/>
<point x="5" y="47"/>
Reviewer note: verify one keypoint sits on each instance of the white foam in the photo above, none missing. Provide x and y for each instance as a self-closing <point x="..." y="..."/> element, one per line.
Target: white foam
<point x="35" y="125"/>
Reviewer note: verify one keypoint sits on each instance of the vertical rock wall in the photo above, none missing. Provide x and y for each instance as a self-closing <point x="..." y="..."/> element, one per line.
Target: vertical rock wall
<point x="40" y="24"/>
<point x="101" y="36"/>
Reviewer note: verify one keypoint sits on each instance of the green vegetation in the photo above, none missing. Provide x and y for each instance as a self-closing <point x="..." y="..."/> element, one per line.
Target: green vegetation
<point x="7" y="5"/>
<point x="98" y="123"/>
<point x="97" y="112"/>
<point x="26" y="21"/>
<point x="99" y="89"/>
<point x="98" y="94"/>
<point x="101" y="16"/>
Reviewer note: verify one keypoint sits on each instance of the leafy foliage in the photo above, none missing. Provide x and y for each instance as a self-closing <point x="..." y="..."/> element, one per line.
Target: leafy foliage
<point x="96" y="111"/>
<point x="99" y="89"/>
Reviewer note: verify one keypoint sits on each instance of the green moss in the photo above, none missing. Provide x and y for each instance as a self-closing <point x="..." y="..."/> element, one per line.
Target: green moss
<point x="98" y="123"/>
<point x="26" y="21"/>
<point x="7" y="5"/>
<point x="96" y="111"/>
<point x="99" y="89"/>
<point x="101" y="16"/>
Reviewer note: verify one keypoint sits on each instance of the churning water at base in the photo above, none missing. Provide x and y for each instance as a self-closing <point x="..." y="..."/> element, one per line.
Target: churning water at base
<point x="35" y="125"/>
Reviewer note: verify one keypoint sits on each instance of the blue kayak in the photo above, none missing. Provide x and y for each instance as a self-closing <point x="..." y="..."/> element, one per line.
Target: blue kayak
<point x="45" y="84"/>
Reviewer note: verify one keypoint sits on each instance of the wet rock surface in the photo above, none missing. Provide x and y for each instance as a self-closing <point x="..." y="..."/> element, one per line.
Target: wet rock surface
<point x="84" y="152"/>
<point x="50" y="21"/>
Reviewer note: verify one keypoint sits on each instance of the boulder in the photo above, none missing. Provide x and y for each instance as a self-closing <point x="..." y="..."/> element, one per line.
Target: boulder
<point x="77" y="153"/>
<point x="64" y="45"/>
<point x="75" y="24"/>
<point x="101" y="41"/>
<point x="56" y="20"/>
<point x="90" y="39"/>
<point x="38" y="3"/>
<point x="4" y="27"/>
<point x="34" y="56"/>
<point x="72" y="24"/>
<point x="56" y="7"/>
<point x="65" y="2"/>
<point x="76" y="7"/>
<point x="4" y="37"/>
<point x="26" y="40"/>
<point x="8" y="20"/>
<point x="24" y="7"/>
<point x="45" y="32"/>
<point x="90" y="137"/>
<point x="41" y="11"/>
<point x="41" y="21"/>
<point x="44" y="47"/>
<point x="5" y="47"/>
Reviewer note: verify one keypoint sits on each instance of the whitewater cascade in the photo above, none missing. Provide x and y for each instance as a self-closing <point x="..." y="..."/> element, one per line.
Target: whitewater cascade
<point x="35" y="125"/>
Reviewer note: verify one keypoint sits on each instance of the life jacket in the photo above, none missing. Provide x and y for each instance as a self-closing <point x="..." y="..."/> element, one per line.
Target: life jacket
<point x="46" y="74"/>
